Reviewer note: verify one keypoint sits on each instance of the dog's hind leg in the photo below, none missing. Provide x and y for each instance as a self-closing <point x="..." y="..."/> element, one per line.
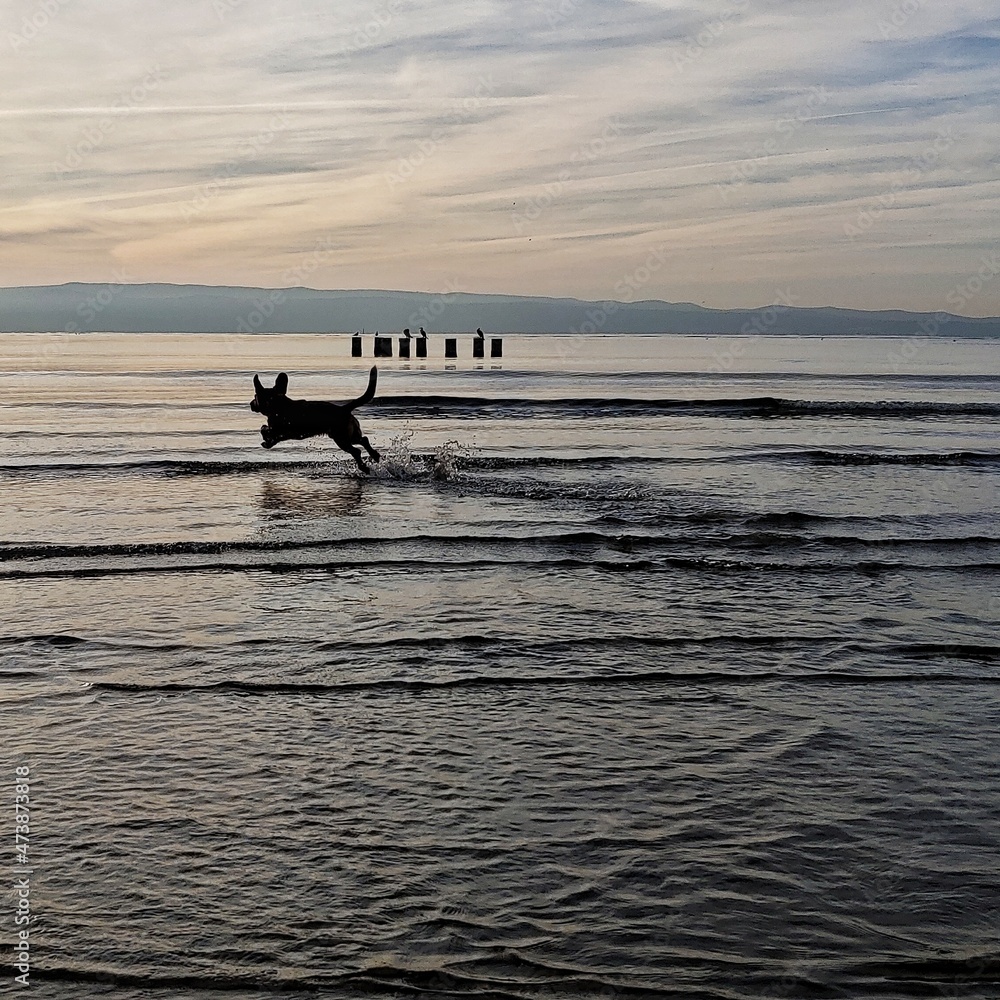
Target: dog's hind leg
<point x="368" y="447"/>
<point x="356" y="452"/>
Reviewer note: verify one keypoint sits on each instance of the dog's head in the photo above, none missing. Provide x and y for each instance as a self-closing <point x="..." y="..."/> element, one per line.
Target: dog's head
<point x="267" y="401"/>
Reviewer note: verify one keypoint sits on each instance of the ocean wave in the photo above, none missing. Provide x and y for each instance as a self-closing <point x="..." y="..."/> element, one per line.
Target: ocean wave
<point x="629" y="542"/>
<point x="523" y="977"/>
<point x="709" y="567"/>
<point x="459" y="643"/>
<point x="753" y="544"/>
<point x="966" y="459"/>
<point x="952" y="973"/>
<point x="58" y="640"/>
<point x="56" y="550"/>
<point x="656" y="678"/>
<point x="442" y="405"/>
<point x="423" y="464"/>
<point x="532" y="978"/>
<point x="745" y="406"/>
<point x="162" y="467"/>
<point x="540" y="649"/>
<point x="429" y="566"/>
<point x="955" y="650"/>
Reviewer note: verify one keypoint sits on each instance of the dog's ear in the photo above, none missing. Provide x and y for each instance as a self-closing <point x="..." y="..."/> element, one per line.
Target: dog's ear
<point x="281" y="383"/>
<point x="256" y="383"/>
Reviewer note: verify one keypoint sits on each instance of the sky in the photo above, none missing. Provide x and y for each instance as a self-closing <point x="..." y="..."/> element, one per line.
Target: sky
<point x="732" y="153"/>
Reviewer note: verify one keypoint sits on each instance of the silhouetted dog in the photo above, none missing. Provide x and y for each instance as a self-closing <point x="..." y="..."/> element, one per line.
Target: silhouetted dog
<point x="290" y="419"/>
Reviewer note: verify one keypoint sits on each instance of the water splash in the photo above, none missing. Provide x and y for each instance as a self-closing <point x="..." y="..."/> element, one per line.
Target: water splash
<point x="400" y="462"/>
<point x="446" y="461"/>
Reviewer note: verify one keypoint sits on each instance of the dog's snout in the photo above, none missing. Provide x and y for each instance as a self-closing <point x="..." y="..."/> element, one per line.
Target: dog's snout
<point x="254" y="405"/>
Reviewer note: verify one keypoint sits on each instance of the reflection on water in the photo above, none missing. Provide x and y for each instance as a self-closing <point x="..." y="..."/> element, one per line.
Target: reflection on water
<point x="341" y="496"/>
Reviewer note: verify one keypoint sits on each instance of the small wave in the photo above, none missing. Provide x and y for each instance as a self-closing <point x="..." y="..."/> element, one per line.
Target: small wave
<point x="474" y="642"/>
<point x="53" y="639"/>
<point x="797" y="519"/>
<point x="470" y="642"/>
<point x="11" y="551"/>
<point x="618" y="642"/>
<point x="445" y="464"/>
<point x="748" y="406"/>
<point x="299" y="566"/>
<point x="762" y="538"/>
<point x="966" y="459"/>
<point x="955" y="650"/>
<point x="458" y="406"/>
<point x="60" y="640"/>
<point x="642" y="678"/>
<point x="242" y="985"/>
<point x="626" y="543"/>
<point x="398" y="462"/>
<point x="382" y="980"/>
<point x="162" y="467"/>
<point x="952" y="972"/>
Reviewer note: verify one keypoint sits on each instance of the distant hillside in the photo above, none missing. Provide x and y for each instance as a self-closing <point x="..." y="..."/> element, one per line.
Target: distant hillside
<point x="210" y="309"/>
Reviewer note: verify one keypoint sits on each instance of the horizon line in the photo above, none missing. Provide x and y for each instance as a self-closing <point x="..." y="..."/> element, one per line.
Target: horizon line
<point x="514" y="295"/>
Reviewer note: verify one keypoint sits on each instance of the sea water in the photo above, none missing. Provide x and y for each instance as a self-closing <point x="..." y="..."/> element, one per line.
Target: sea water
<point x="639" y="667"/>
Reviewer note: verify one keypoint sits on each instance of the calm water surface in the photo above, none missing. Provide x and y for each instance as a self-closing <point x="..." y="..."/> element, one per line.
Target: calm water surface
<point x="641" y="667"/>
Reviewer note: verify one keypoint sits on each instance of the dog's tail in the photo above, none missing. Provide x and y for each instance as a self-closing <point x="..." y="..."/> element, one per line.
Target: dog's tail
<point x="368" y="394"/>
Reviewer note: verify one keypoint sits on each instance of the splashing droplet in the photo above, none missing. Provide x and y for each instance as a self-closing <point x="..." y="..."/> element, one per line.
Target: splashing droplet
<point x="400" y="463"/>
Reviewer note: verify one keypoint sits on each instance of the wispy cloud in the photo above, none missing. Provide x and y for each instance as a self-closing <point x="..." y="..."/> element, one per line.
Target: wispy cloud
<point x="546" y="146"/>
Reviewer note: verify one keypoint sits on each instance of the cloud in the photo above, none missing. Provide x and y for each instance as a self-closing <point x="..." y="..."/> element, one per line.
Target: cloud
<point x="543" y="148"/>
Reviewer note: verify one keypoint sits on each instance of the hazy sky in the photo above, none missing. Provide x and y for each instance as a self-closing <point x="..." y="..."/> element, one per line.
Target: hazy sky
<point x="844" y="152"/>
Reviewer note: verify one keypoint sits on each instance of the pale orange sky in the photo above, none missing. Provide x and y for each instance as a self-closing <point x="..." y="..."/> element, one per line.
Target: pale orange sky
<point x="844" y="153"/>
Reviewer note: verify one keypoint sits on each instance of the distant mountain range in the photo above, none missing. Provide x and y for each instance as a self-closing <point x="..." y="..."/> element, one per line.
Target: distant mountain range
<point x="221" y="309"/>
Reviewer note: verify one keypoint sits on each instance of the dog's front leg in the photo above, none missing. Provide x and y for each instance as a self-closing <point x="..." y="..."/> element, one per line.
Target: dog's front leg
<point x="270" y="436"/>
